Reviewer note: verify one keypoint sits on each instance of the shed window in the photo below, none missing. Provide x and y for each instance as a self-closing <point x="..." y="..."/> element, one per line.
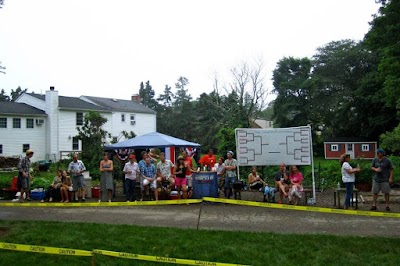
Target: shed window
<point x="365" y="147"/>
<point x="334" y="147"/>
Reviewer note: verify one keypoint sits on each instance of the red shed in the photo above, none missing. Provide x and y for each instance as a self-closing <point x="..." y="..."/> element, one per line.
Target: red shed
<point x="357" y="148"/>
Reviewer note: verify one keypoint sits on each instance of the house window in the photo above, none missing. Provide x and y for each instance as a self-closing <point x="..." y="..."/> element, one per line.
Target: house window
<point x="75" y="144"/>
<point x="365" y="147"/>
<point x="334" y="147"/>
<point x="133" y="119"/>
<point x="3" y="122"/>
<point x="122" y="117"/>
<point x="29" y="123"/>
<point x="79" y="119"/>
<point x="16" y="122"/>
<point x="25" y="147"/>
<point x="1" y="148"/>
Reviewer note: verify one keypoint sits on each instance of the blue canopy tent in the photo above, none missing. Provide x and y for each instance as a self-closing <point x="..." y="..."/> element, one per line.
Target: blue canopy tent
<point x="153" y="140"/>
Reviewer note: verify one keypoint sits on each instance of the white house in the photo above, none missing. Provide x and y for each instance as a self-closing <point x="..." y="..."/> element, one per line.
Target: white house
<point x="47" y="123"/>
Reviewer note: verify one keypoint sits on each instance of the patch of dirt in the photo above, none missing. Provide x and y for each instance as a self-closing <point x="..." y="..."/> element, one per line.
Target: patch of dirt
<point x="4" y="231"/>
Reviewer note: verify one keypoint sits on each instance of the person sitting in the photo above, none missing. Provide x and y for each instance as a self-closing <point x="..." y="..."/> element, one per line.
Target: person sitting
<point x="53" y="191"/>
<point x="282" y="181"/>
<point x="66" y="187"/>
<point x="296" y="180"/>
<point x="164" y="173"/>
<point x="269" y="192"/>
<point x="255" y="181"/>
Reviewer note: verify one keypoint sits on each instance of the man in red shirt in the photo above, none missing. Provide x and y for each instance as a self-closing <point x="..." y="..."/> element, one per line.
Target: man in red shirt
<point x="208" y="160"/>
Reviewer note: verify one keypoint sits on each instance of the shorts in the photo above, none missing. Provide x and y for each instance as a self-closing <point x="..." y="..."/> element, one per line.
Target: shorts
<point x="189" y="180"/>
<point x="384" y="187"/>
<point x="180" y="182"/>
<point x="147" y="182"/>
<point x="24" y="182"/>
<point x="78" y="182"/>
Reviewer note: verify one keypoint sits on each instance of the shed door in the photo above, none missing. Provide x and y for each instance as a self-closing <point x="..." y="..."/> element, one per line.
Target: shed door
<point x="350" y="149"/>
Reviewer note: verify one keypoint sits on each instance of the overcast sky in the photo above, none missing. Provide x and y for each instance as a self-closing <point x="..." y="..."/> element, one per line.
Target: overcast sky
<point x="106" y="48"/>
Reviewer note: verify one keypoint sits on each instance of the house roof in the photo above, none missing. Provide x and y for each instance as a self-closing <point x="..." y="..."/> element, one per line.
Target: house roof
<point x="261" y="123"/>
<point x="13" y="108"/>
<point x="73" y="103"/>
<point x="120" y="105"/>
<point x="344" y="139"/>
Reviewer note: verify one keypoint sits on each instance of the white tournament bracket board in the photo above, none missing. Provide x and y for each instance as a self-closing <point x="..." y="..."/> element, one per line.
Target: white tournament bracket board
<point x="292" y="146"/>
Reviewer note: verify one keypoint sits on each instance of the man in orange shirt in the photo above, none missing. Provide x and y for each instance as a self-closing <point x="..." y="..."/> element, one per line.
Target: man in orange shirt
<point x="208" y="160"/>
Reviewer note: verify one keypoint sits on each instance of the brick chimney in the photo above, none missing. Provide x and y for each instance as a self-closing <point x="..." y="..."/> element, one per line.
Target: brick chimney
<point x="136" y="98"/>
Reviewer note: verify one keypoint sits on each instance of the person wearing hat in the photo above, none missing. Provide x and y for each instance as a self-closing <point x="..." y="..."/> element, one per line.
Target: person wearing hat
<point x="230" y="173"/>
<point x="131" y="171"/>
<point x="382" y="179"/>
<point x="76" y="169"/>
<point x="24" y="175"/>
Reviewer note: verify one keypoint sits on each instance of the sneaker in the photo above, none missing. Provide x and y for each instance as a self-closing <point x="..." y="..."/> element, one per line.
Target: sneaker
<point x="42" y="201"/>
<point x="99" y="201"/>
<point x="387" y="209"/>
<point x="109" y="201"/>
<point x="75" y="200"/>
<point x="128" y="201"/>
<point x="61" y="201"/>
<point x="66" y="201"/>
<point x="51" y="199"/>
<point x="83" y="200"/>
<point x="28" y="199"/>
<point x="373" y="208"/>
<point x="21" y="201"/>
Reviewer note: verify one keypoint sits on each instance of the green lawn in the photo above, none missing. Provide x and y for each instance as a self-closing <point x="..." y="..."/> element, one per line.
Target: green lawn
<point x="216" y="246"/>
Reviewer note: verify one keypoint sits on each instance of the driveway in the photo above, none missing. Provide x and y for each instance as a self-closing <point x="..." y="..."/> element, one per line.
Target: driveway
<point x="208" y="216"/>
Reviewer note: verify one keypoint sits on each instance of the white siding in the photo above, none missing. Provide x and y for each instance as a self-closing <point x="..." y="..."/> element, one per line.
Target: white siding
<point x="13" y="139"/>
<point x="144" y="123"/>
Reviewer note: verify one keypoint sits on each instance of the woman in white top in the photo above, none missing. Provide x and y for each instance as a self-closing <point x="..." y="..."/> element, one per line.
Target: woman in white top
<point x="348" y="177"/>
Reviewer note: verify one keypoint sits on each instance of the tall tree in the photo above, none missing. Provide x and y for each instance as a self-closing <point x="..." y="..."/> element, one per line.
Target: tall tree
<point x="147" y="95"/>
<point x="292" y="83"/>
<point x="16" y="93"/>
<point x="3" y="96"/>
<point x="93" y="138"/>
<point x="248" y="84"/>
<point x="384" y="39"/>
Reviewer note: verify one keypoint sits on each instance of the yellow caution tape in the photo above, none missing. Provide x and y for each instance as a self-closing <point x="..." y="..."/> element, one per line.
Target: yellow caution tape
<point x="160" y="259"/>
<point x="47" y="250"/>
<point x="303" y="208"/>
<point x="100" y="204"/>
<point x="209" y="199"/>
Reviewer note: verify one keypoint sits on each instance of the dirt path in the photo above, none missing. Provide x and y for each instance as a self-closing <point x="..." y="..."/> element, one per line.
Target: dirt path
<point x="216" y="217"/>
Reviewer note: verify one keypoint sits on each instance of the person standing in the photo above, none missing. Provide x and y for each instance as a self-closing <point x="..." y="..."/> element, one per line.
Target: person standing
<point x="24" y="175"/>
<point x="220" y="169"/>
<point x="230" y="176"/>
<point x="180" y="177"/>
<point x="106" y="179"/>
<point x="189" y="172"/>
<point x="76" y="169"/>
<point x="382" y="179"/>
<point x="208" y="160"/>
<point x="348" y="177"/>
<point x="131" y="171"/>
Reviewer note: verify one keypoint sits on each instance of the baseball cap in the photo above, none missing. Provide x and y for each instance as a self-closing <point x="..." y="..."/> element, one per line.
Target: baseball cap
<point x="380" y="150"/>
<point x="231" y="152"/>
<point x="132" y="156"/>
<point x="28" y="152"/>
